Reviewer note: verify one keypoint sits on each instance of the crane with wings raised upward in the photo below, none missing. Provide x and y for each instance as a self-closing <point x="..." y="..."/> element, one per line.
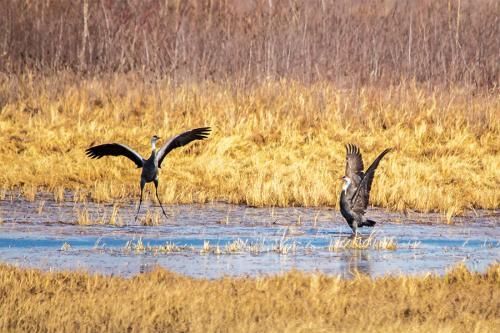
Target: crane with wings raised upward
<point x="356" y="190"/>
<point x="151" y="165"/>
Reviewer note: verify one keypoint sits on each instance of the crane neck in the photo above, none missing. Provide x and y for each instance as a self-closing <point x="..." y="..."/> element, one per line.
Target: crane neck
<point x="346" y="184"/>
<point x="153" y="146"/>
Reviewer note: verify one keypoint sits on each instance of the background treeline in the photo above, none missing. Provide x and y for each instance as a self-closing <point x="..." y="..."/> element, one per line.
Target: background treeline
<point x="348" y="42"/>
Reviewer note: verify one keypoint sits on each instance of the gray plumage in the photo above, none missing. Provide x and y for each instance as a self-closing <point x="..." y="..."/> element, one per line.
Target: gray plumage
<point x="151" y="165"/>
<point x="355" y="194"/>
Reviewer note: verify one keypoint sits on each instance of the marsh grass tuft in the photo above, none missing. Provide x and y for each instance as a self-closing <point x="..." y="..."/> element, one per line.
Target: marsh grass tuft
<point x="115" y="219"/>
<point x="360" y="243"/>
<point x="236" y="246"/>
<point x="450" y="214"/>
<point x="29" y="192"/>
<point x="386" y="243"/>
<point x="84" y="217"/>
<point x="138" y="247"/>
<point x="65" y="247"/>
<point x="41" y="205"/>
<point x="224" y="221"/>
<point x="135" y="247"/>
<point x="168" y="247"/>
<point x="151" y="219"/>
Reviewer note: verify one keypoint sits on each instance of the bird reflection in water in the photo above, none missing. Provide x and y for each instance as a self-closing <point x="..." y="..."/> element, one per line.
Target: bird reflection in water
<point x="355" y="262"/>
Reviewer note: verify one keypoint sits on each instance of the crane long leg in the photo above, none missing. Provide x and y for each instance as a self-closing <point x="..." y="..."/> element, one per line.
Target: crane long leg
<point x="354" y="228"/>
<point x="157" y="197"/>
<point x="140" y="200"/>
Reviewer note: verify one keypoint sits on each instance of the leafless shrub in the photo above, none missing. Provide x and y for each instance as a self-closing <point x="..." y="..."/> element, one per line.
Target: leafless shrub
<point x="348" y="42"/>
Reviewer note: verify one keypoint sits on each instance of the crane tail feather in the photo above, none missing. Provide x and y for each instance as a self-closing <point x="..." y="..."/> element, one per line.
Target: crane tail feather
<point x="369" y="223"/>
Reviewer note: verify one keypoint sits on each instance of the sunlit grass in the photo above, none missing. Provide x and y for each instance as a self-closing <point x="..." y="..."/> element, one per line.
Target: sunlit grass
<point x="138" y="247"/>
<point x="84" y="217"/>
<point x="151" y="219"/>
<point x="282" y="246"/>
<point x="65" y="247"/>
<point x="276" y="144"/>
<point x="386" y="243"/>
<point x="41" y="205"/>
<point x="459" y="301"/>
<point x="360" y="243"/>
<point x="236" y="246"/>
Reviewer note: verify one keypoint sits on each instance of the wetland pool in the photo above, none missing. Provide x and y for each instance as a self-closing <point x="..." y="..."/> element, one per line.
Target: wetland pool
<point x="217" y="239"/>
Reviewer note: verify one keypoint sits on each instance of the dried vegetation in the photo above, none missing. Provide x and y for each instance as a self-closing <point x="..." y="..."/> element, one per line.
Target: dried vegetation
<point x="277" y="144"/>
<point x="164" y="301"/>
<point x="284" y="85"/>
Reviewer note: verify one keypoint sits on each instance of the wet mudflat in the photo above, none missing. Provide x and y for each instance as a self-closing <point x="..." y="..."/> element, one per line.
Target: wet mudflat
<point x="217" y="239"/>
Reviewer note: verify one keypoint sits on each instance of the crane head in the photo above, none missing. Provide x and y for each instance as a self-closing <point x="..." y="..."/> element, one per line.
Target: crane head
<point x="155" y="138"/>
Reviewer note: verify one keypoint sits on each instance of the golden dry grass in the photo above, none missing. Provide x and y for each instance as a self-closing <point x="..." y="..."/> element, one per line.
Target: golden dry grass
<point x="359" y="243"/>
<point x="282" y="247"/>
<point x="161" y="301"/>
<point x="276" y="144"/>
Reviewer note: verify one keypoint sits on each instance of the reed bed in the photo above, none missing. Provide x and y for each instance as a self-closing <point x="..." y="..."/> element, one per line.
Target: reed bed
<point x="283" y="246"/>
<point x="163" y="301"/>
<point x="280" y="143"/>
<point x="84" y="217"/>
<point x="370" y="242"/>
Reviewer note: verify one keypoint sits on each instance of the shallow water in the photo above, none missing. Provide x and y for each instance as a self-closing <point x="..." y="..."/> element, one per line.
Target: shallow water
<point x="44" y="234"/>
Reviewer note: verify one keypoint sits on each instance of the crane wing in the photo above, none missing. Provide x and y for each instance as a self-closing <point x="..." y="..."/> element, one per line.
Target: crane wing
<point x="181" y="140"/>
<point x="354" y="163"/>
<point x="362" y="196"/>
<point x="115" y="149"/>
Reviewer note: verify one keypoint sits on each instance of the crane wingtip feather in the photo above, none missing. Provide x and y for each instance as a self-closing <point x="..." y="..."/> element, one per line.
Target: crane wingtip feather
<point x="352" y="149"/>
